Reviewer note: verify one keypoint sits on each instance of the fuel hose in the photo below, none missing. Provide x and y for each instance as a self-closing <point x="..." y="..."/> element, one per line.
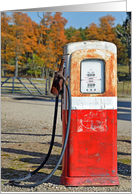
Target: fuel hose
<point x="49" y="151"/>
<point x="16" y="182"/>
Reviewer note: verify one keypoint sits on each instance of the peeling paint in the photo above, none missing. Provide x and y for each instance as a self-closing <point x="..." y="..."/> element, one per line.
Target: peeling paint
<point x="94" y="103"/>
<point x="110" y="71"/>
<point x="98" y="159"/>
<point x="91" y="122"/>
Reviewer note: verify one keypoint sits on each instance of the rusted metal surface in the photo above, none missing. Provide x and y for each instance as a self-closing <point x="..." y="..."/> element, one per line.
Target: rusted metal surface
<point x="91" y="153"/>
<point x="110" y="71"/>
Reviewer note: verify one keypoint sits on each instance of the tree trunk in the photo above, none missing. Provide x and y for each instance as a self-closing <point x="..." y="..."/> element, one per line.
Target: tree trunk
<point x="16" y="68"/>
<point x="2" y="70"/>
<point x="47" y="73"/>
<point x="43" y="72"/>
<point x="129" y="67"/>
<point x="49" y="80"/>
<point x="129" y="56"/>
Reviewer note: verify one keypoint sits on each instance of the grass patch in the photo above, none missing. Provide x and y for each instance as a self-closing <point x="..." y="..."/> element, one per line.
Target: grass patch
<point x="7" y="155"/>
<point x="124" y="88"/>
<point x="16" y="158"/>
<point x="3" y="182"/>
<point x="125" y="161"/>
<point x="124" y="84"/>
<point x="122" y="70"/>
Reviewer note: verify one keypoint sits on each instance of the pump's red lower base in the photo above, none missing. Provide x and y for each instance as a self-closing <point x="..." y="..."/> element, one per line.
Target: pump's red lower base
<point x="90" y="157"/>
<point x="89" y="181"/>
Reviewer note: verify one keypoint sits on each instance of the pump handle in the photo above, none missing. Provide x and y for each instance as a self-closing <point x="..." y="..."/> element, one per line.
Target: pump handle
<point x="58" y="79"/>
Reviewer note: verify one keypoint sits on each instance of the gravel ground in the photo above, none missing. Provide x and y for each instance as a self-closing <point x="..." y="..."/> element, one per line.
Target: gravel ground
<point x="26" y="127"/>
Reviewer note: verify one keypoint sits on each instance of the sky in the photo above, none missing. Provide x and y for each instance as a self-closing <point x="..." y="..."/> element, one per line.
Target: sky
<point x="82" y="19"/>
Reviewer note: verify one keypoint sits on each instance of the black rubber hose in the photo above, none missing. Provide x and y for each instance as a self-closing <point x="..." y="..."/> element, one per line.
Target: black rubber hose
<point x="63" y="149"/>
<point x="50" y="148"/>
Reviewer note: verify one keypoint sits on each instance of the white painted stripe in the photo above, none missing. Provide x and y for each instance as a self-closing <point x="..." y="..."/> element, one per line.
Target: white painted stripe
<point x="84" y="103"/>
<point x="94" y="103"/>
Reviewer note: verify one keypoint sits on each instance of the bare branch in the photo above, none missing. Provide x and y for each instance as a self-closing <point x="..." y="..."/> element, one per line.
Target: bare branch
<point x="119" y="33"/>
<point x="39" y="15"/>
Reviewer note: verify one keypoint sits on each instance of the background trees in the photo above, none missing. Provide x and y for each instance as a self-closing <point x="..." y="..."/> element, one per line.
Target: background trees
<point x="36" y="49"/>
<point x="124" y="34"/>
<point x="5" y="37"/>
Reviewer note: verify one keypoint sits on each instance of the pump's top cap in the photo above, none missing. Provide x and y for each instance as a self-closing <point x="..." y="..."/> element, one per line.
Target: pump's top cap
<point x="93" y="44"/>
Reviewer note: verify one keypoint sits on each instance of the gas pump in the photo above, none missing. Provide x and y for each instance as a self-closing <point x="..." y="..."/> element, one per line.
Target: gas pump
<point x="87" y="81"/>
<point x="91" y="153"/>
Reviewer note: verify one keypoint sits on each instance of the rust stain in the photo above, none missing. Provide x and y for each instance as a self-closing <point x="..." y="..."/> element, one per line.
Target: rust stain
<point x="110" y="71"/>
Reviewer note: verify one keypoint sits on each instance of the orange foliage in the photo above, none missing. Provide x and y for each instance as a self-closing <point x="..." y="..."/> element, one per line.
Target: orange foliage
<point x="5" y="36"/>
<point x="58" y="38"/>
<point x="24" y="38"/>
<point x="105" y="32"/>
<point x="9" y="67"/>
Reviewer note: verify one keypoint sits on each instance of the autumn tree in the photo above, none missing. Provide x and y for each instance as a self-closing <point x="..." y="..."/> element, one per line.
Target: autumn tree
<point x="92" y="33"/>
<point x="35" y="65"/>
<point x="27" y="40"/>
<point x="38" y="47"/>
<point x="20" y="40"/>
<point x="105" y="31"/>
<point x="57" y="36"/>
<point x="5" y="37"/>
<point x="45" y="45"/>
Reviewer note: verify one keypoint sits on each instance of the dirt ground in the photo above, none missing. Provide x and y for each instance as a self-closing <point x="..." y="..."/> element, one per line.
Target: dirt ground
<point x="26" y="128"/>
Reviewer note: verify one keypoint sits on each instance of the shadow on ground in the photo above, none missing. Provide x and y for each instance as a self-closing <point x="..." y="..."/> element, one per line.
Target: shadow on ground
<point x="124" y="169"/>
<point x="9" y="174"/>
<point x="123" y="112"/>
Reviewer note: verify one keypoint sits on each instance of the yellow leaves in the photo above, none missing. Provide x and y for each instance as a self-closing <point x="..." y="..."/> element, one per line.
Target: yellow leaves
<point x="20" y="58"/>
<point x="9" y="67"/>
<point x="19" y="63"/>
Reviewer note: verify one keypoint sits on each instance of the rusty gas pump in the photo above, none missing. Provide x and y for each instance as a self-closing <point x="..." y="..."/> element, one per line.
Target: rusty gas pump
<point x="89" y="115"/>
<point x="90" y="157"/>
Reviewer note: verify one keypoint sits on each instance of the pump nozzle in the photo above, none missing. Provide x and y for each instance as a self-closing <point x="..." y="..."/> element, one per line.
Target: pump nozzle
<point x="58" y="79"/>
